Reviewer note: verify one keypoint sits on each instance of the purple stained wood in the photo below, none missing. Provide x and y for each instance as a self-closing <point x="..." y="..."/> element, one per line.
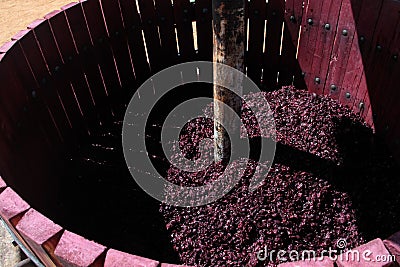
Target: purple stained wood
<point x="183" y="20"/>
<point x="289" y="65"/>
<point x="132" y="25"/>
<point x="102" y="51"/>
<point x="42" y="76"/>
<point x="166" y="21"/>
<point x="275" y="17"/>
<point x="81" y="37"/>
<point x="257" y="12"/>
<point x="204" y="30"/>
<point x="119" y="44"/>
<point x="150" y="31"/>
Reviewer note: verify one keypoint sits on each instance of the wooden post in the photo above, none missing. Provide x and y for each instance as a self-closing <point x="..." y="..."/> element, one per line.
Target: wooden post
<point x="229" y="36"/>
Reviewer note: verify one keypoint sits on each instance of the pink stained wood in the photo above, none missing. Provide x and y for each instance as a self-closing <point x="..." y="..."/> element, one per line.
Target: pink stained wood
<point x="2" y="184"/>
<point x="41" y="234"/>
<point x="309" y="32"/>
<point x="117" y="258"/>
<point x="74" y="250"/>
<point x="11" y="204"/>
<point x="322" y="54"/>
<point x="341" y="54"/>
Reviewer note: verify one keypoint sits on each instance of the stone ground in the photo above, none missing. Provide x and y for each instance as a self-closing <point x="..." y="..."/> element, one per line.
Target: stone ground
<point x="15" y="15"/>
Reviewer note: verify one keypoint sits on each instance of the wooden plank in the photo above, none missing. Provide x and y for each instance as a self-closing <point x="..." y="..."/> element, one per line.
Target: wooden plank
<point x="132" y="25"/>
<point x="183" y="21"/>
<point x="165" y="15"/>
<point x="44" y="37"/>
<point x="354" y="69"/>
<point x="16" y="123"/>
<point x="275" y="16"/>
<point x="289" y="65"/>
<point x="72" y="69"/>
<point x="118" y="41"/>
<point x="74" y="250"/>
<point x="45" y="82"/>
<point x="324" y="43"/>
<point x="22" y="80"/>
<point x="388" y="95"/>
<point x="80" y="34"/>
<point x="257" y="12"/>
<point x="309" y="33"/>
<point x="150" y="30"/>
<point x="204" y="29"/>
<point x="102" y="51"/>
<point x="366" y="25"/>
<point x="341" y="53"/>
<point x="380" y="56"/>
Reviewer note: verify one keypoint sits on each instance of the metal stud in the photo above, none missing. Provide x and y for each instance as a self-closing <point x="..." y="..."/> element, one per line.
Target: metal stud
<point x="57" y="68"/>
<point x="345" y="32"/>
<point x="362" y="39"/>
<point x="205" y="10"/>
<point x="117" y="33"/>
<point x="317" y="80"/>
<point x="185" y="11"/>
<point x="395" y="57"/>
<point x="327" y="26"/>
<point x="310" y="21"/>
<point x="162" y="18"/>
<point x="292" y="18"/>
<point x="256" y="12"/>
<point x="379" y="47"/>
<point x="361" y="105"/>
<point x="303" y="74"/>
<point x="44" y="81"/>
<point x="273" y="13"/>
<point x="333" y="87"/>
<point x="348" y="95"/>
<point x="34" y="94"/>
